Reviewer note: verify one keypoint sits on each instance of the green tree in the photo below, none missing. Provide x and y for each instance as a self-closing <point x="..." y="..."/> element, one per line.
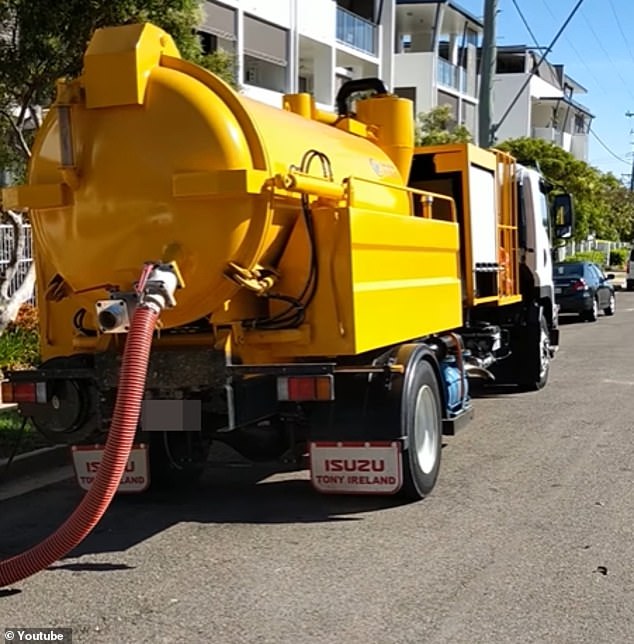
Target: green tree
<point x="603" y="206"/>
<point x="438" y="126"/>
<point x="43" y="40"/>
<point x="223" y="64"/>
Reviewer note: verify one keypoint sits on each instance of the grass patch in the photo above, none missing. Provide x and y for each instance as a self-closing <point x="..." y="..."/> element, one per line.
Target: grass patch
<point x="19" y="343"/>
<point x="19" y="349"/>
<point x="10" y="433"/>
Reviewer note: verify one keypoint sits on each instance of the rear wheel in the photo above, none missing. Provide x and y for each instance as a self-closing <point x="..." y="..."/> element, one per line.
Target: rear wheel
<point x="422" y="425"/>
<point x="593" y="314"/>
<point x="611" y="308"/>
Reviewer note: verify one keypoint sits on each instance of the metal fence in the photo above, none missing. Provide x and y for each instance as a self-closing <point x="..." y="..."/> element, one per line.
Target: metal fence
<point x="7" y="244"/>
<point x="604" y="247"/>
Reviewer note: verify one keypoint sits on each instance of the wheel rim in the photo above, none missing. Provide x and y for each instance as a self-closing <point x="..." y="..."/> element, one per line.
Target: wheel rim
<point x="426" y="429"/>
<point x="544" y="342"/>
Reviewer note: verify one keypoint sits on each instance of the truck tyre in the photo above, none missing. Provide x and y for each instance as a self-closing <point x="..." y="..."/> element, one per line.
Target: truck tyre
<point x="422" y="425"/>
<point x="544" y="353"/>
<point x="537" y="354"/>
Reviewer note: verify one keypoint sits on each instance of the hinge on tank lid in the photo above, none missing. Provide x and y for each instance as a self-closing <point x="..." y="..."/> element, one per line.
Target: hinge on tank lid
<point x="259" y="279"/>
<point x="57" y="289"/>
<point x="68" y="94"/>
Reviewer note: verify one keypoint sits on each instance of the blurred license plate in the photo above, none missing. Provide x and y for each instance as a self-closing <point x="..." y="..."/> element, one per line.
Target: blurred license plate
<point x="558" y="291"/>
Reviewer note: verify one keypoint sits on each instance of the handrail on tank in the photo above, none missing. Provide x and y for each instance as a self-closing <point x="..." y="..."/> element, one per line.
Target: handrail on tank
<point x="426" y="197"/>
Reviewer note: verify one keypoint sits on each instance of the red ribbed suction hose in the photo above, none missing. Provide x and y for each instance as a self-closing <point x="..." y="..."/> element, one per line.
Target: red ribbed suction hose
<point x="116" y="453"/>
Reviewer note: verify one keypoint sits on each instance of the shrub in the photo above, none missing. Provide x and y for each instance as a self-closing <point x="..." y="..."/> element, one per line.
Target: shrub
<point x="619" y="256"/>
<point x="19" y="349"/>
<point x="27" y="319"/>
<point x="19" y="344"/>
<point x="595" y="256"/>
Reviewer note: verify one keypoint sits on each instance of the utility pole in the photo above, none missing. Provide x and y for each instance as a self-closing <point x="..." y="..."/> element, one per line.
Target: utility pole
<point x="489" y="59"/>
<point x="630" y="115"/>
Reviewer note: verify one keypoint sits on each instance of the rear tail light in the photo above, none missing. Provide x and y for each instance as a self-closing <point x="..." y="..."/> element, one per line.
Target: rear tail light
<point x="23" y="392"/>
<point x="305" y="388"/>
<point x="580" y="285"/>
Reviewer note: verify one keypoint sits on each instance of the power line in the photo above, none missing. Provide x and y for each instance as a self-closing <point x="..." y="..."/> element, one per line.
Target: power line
<point x="618" y="24"/>
<point x="579" y="56"/>
<point x="605" y="147"/>
<point x="528" y="27"/>
<point x="607" y="55"/>
<point x="537" y="66"/>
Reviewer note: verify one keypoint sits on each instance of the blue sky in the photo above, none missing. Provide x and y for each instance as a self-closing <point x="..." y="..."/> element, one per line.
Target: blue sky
<point x="596" y="50"/>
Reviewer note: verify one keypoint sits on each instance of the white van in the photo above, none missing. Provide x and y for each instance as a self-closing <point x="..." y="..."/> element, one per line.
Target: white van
<point x="629" y="282"/>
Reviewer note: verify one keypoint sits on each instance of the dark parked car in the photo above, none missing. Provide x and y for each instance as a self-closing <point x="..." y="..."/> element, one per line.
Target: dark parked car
<point x="629" y="280"/>
<point x="581" y="287"/>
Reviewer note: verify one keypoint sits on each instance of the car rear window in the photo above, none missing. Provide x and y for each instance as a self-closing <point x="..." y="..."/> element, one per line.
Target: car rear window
<point x="568" y="270"/>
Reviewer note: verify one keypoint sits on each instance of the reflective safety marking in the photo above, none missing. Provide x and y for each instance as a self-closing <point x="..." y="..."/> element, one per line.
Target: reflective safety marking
<point x="136" y="476"/>
<point x="372" y="467"/>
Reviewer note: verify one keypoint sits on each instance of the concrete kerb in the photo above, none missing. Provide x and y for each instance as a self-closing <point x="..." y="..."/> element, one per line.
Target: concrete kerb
<point x="34" y="461"/>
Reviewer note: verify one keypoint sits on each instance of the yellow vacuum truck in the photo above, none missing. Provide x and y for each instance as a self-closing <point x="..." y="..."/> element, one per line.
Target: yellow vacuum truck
<point x="306" y="287"/>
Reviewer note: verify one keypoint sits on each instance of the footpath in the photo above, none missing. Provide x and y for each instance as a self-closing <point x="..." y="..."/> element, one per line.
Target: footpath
<point x="31" y="470"/>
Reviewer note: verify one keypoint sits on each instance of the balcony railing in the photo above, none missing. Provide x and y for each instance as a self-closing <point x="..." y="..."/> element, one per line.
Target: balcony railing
<point x="550" y="134"/>
<point x="451" y="75"/>
<point x="356" y="32"/>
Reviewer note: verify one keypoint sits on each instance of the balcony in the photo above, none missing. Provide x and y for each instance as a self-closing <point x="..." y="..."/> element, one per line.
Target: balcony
<point x="550" y="134"/>
<point x="576" y="144"/>
<point x="451" y="75"/>
<point x="356" y="32"/>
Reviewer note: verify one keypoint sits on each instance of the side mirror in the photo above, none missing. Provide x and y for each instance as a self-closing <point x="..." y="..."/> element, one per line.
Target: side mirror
<point x="563" y="216"/>
<point x="609" y="276"/>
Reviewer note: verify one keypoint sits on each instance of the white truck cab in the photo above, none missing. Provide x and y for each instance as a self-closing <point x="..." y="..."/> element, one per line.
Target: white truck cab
<point x="539" y="225"/>
<point x="534" y="232"/>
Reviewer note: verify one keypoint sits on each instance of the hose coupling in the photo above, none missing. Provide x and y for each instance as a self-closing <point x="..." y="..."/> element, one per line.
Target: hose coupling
<point x="157" y="286"/>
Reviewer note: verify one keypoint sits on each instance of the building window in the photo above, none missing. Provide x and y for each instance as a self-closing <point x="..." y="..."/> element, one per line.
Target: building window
<point x="406" y="92"/>
<point x="218" y="28"/>
<point x="580" y="124"/>
<point x="452" y="101"/>
<point x="208" y="42"/>
<point x="265" y="54"/>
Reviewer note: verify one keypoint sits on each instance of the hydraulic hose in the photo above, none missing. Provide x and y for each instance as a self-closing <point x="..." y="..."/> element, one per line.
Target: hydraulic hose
<point x="116" y="453"/>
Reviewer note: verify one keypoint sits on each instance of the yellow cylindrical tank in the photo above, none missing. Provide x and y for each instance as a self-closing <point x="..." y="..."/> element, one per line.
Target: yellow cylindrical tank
<point x="163" y="161"/>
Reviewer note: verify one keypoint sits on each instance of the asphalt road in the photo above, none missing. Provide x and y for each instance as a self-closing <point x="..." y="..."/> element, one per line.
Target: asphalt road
<point x="528" y="537"/>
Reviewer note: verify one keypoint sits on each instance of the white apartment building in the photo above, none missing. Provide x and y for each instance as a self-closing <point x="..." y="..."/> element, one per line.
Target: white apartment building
<point x="546" y="108"/>
<point x="425" y="50"/>
<point x="436" y="56"/>
<point x="286" y="46"/>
